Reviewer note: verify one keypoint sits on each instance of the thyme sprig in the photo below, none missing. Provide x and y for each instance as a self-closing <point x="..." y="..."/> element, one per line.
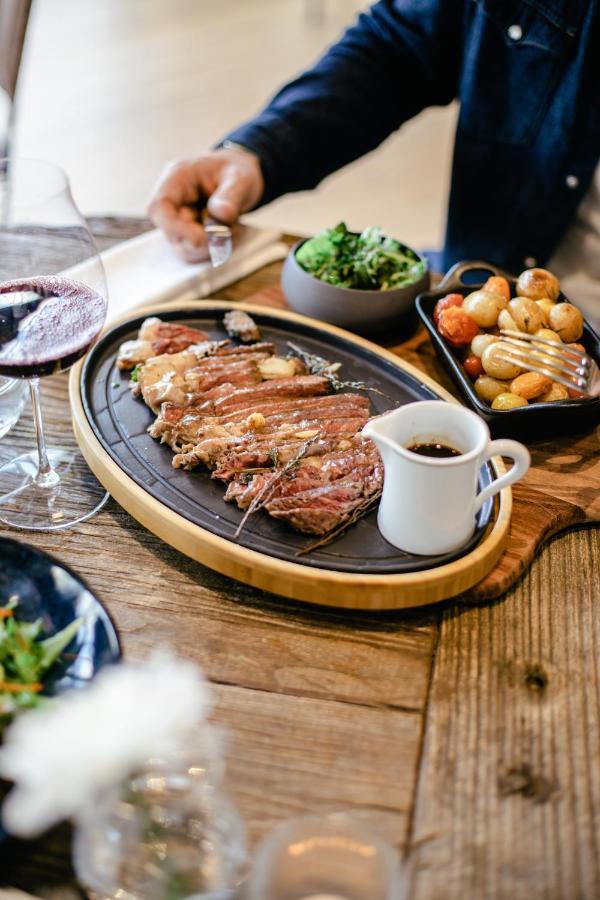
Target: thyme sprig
<point x="316" y="365"/>
<point x="266" y="491"/>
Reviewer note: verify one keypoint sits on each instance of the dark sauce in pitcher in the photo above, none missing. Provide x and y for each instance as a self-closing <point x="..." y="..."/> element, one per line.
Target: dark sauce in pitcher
<point x="434" y="449"/>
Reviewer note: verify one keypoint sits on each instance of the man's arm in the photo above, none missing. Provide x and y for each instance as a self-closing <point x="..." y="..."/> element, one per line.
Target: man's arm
<point x="400" y="57"/>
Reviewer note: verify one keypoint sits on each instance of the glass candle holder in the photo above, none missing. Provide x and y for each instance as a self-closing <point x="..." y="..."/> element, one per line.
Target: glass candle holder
<point x="166" y="833"/>
<point x="330" y="857"/>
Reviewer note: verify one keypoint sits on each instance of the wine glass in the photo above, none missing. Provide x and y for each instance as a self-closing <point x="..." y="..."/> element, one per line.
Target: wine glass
<point x="53" y="302"/>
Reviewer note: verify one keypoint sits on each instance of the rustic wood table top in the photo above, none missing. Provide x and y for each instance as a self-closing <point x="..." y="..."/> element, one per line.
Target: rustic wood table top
<point x="469" y="736"/>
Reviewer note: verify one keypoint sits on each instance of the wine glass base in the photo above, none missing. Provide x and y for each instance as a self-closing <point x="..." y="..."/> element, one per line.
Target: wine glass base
<point x="30" y="507"/>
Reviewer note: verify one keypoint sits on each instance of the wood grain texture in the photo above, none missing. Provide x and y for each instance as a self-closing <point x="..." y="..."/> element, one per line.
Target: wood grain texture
<point x="508" y="802"/>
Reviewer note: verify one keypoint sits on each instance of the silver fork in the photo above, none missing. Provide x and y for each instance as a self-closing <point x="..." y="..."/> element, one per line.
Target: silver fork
<point x="566" y="365"/>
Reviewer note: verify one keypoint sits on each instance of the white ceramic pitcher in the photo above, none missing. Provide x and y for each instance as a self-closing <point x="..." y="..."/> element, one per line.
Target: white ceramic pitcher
<point x="429" y="504"/>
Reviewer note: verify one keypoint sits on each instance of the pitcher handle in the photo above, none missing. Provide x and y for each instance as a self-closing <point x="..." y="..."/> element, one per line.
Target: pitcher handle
<point x="521" y="462"/>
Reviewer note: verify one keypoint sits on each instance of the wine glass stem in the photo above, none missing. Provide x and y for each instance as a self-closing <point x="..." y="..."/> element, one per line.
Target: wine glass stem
<point x="45" y="476"/>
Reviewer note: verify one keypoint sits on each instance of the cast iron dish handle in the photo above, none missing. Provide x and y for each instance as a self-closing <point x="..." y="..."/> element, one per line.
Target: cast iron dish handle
<point x="454" y="276"/>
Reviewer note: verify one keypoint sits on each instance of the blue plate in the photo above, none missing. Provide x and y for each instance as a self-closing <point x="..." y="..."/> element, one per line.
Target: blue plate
<point x="49" y="590"/>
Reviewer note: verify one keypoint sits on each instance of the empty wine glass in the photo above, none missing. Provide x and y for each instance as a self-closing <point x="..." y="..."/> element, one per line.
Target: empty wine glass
<point x="53" y="302"/>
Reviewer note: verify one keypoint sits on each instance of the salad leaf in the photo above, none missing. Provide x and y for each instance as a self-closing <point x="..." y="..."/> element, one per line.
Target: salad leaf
<point x="365" y="261"/>
<point x="24" y="659"/>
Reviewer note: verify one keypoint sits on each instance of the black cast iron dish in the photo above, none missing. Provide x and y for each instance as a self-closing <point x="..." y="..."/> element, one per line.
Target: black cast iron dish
<point x="525" y="422"/>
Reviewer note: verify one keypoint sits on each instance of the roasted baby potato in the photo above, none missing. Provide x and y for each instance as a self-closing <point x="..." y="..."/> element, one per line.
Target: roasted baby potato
<point x="506" y="321"/>
<point x="530" y="385"/>
<point x="567" y="321"/>
<point x="483" y="307"/>
<point x="498" y="285"/>
<point x="481" y="341"/>
<point x="488" y="388"/>
<point x="498" y="368"/>
<point x="527" y="314"/>
<point x="554" y="393"/>
<point x="537" y="284"/>
<point x="546" y="305"/>
<point x="508" y="401"/>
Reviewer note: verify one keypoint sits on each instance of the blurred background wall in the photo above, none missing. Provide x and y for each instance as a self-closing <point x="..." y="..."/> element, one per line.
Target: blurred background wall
<point x="113" y="89"/>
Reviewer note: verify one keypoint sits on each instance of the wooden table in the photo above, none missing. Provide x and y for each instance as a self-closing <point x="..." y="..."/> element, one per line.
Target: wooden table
<point x="468" y="736"/>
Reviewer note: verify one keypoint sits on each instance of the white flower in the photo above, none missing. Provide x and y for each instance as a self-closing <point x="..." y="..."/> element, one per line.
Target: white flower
<point x="61" y="755"/>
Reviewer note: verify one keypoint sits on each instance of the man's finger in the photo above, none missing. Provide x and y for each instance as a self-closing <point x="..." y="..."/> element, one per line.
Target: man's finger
<point x="229" y="200"/>
<point x="176" y="224"/>
<point x="192" y="254"/>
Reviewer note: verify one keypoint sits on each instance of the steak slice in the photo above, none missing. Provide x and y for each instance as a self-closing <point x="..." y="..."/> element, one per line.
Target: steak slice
<point x="358" y="457"/>
<point x="155" y="338"/>
<point x="261" y="453"/>
<point x="284" y="388"/>
<point x="179" y="425"/>
<point x="321" y="509"/>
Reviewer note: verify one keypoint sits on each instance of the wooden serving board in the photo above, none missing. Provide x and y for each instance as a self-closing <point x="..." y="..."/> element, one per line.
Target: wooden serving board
<point x="561" y="489"/>
<point x="132" y="467"/>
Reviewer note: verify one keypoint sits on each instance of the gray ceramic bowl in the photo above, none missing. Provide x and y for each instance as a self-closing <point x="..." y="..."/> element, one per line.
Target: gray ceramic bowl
<point x="357" y="310"/>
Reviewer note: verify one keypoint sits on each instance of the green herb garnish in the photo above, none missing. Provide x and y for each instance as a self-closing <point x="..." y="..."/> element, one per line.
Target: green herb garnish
<point x="365" y="261"/>
<point x="24" y="659"/>
<point x="135" y="372"/>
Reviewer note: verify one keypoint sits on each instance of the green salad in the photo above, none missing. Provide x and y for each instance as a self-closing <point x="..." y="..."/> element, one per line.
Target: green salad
<point x="366" y="261"/>
<point x="25" y="659"/>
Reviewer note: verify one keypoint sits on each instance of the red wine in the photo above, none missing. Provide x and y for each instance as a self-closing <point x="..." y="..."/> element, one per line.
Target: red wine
<point x="47" y="323"/>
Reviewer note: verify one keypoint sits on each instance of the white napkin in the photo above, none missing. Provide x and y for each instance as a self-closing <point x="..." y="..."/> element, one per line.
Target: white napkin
<point x="146" y="269"/>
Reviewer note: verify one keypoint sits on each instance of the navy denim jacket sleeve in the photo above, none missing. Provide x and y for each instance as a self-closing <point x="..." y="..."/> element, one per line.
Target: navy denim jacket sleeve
<point x="528" y="135"/>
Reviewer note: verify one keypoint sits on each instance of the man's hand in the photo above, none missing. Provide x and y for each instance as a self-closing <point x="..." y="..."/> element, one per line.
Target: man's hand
<point x="228" y="181"/>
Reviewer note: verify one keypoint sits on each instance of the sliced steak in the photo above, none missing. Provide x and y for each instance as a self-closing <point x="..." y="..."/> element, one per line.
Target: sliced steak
<point x="360" y="458"/>
<point x="155" y="338"/>
<point x="284" y="388"/>
<point x="321" y="509"/>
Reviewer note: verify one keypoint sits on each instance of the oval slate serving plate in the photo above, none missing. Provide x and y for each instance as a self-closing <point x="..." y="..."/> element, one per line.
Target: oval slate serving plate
<point x="120" y="424"/>
<point x="49" y="590"/>
<point x="525" y="422"/>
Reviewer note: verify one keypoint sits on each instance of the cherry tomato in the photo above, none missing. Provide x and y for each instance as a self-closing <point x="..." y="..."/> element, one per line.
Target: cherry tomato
<point x="446" y="302"/>
<point x="457" y="326"/>
<point x="472" y="366"/>
<point x="498" y="285"/>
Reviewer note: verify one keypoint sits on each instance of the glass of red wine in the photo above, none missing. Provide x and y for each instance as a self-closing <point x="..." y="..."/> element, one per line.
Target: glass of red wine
<point x="53" y="301"/>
